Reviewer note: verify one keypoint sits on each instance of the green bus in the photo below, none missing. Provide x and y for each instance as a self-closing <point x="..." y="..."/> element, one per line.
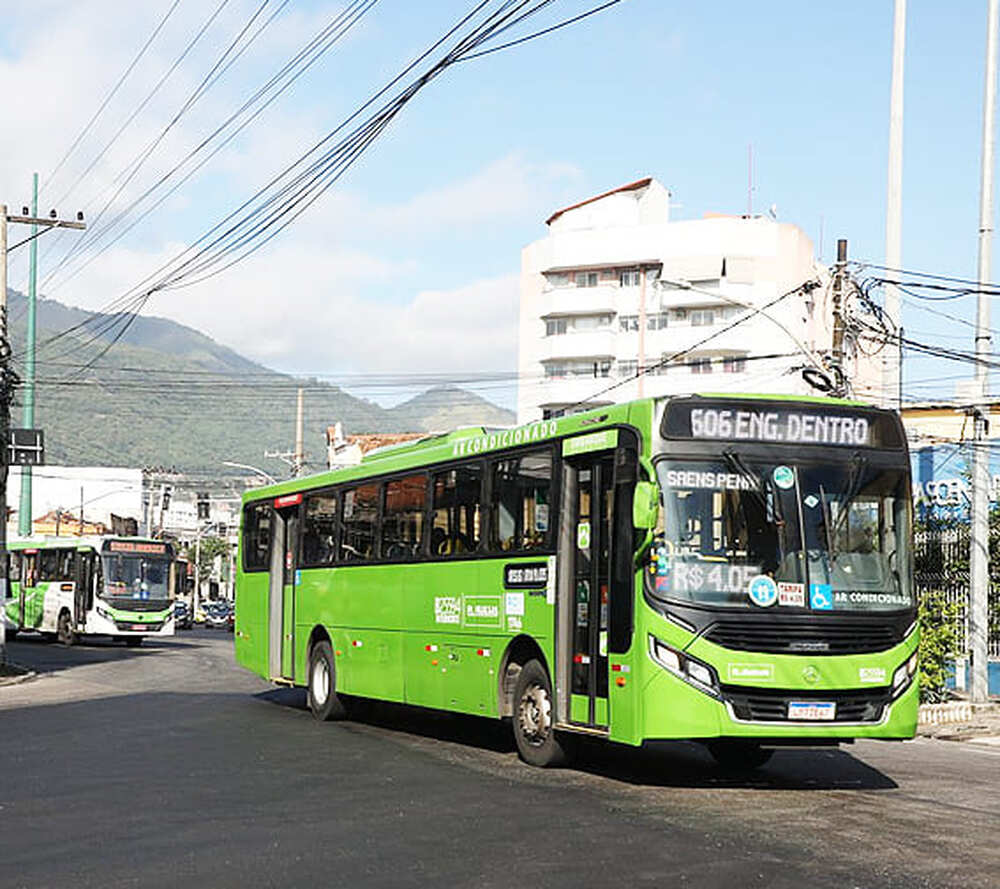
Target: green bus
<point x="735" y="570"/>
<point x="65" y="587"/>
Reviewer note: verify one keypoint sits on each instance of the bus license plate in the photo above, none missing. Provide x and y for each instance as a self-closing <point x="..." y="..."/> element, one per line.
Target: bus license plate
<point x="138" y="626"/>
<point x="812" y="711"/>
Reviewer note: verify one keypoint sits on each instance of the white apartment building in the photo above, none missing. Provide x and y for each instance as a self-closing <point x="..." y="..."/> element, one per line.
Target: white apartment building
<point x="616" y="285"/>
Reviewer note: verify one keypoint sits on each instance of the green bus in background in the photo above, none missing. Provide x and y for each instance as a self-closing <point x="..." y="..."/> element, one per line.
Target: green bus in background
<point x="65" y="587"/>
<point x="731" y="569"/>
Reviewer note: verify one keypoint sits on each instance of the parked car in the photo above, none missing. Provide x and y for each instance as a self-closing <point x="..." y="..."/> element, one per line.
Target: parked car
<point x="182" y="615"/>
<point x="219" y="615"/>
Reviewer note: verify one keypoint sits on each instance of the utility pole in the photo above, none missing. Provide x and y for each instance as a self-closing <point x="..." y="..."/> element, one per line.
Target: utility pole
<point x="8" y="379"/>
<point x="642" y="330"/>
<point x="300" y="457"/>
<point x="894" y="201"/>
<point x="979" y="537"/>
<point x="839" y="274"/>
<point x="24" y="511"/>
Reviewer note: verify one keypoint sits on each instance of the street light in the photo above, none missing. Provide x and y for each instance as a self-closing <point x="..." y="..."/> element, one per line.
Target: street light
<point x="271" y="480"/>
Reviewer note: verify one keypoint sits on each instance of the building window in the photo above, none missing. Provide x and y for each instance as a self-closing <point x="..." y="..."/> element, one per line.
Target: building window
<point x="734" y="365"/>
<point x="628" y="368"/>
<point x="700" y="366"/>
<point x="586" y="279"/>
<point x="629" y="278"/>
<point x="555" y="327"/>
<point x="552" y="413"/>
<point x="657" y="320"/>
<point x="702" y="317"/>
<point x="628" y="323"/>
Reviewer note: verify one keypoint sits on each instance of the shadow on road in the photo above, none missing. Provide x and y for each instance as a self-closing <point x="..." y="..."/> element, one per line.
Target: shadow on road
<point x="655" y="764"/>
<point x="31" y="650"/>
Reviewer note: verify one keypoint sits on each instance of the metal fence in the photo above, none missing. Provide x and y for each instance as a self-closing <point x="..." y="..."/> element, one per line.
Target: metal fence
<point x="941" y="562"/>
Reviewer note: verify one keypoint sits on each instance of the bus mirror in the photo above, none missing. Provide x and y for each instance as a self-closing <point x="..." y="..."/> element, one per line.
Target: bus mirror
<point x="645" y="505"/>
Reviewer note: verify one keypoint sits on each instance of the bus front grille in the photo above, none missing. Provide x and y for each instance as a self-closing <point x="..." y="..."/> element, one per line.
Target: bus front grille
<point x="807" y="637"/>
<point x="771" y="705"/>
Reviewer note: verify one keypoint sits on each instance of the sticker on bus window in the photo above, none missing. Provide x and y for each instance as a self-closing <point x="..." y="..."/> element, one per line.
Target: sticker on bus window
<point x="763" y="591"/>
<point x="821" y="597"/>
<point x="783" y="477"/>
<point x="791" y="594"/>
<point x="583" y="535"/>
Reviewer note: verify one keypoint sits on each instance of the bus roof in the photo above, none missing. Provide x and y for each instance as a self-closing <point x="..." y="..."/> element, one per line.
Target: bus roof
<point x="469" y="440"/>
<point x="86" y="541"/>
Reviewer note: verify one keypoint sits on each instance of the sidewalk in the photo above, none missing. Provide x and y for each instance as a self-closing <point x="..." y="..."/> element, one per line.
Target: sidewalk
<point x="959" y="720"/>
<point x="13" y="674"/>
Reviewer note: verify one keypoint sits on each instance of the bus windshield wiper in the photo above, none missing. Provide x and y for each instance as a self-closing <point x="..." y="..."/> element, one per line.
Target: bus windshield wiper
<point x="853" y="488"/>
<point x="735" y="462"/>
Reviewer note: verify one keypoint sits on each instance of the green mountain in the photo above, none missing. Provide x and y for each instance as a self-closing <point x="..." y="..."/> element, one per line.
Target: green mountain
<point x="165" y="395"/>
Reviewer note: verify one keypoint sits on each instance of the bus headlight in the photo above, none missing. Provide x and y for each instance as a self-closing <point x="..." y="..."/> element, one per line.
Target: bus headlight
<point x="904" y="675"/>
<point x="685" y="667"/>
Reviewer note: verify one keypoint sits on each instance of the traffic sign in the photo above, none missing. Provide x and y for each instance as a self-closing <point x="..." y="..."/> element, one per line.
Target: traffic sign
<point x="26" y="447"/>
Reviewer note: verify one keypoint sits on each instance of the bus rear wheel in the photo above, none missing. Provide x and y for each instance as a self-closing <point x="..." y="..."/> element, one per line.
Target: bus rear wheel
<point x="534" y="720"/>
<point x="64" y="629"/>
<point x="739" y="756"/>
<point x="322" y="691"/>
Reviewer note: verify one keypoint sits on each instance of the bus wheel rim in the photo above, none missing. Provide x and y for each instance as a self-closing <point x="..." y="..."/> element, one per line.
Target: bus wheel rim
<point x="320" y="682"/>
<point x="535" y="715"/>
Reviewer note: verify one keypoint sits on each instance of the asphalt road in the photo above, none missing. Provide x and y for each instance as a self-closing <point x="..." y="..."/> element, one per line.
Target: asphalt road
<point x="169" y="766"/>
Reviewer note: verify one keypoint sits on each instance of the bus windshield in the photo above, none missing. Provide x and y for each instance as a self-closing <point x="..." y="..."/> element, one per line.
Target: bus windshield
<point x="830" y="536"/>
<point x="136" y="577"/>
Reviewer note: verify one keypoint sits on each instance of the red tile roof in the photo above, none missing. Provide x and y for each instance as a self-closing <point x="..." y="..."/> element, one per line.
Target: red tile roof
<point x="632" y="186"/>
<point x="378" y="439"/>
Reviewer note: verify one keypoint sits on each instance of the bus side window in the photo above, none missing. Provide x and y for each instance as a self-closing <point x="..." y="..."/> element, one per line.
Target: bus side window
<point x="257" y="521"/>
<point x="403" y="518"/>
<point x="66" y="565"/>
<point x="521" y="494"/>
<point x="48" y="565"/>
<point x="360" y="521"/>
<point x="15" y="569"/>
<point x="319" y="531"/>
<point x="457" y="522"/>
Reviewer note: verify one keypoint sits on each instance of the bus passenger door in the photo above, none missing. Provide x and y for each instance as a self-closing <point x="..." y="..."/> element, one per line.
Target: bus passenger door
<point x="29" y="579"/>
<point x="591" y="500"/>
<point x="281" y="613"/>
<point x="81" y="574"/>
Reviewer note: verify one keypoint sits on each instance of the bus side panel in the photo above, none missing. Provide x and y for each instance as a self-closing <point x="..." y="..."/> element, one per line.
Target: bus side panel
<point x="251" y="638"/>
<point x="371" y="663"/>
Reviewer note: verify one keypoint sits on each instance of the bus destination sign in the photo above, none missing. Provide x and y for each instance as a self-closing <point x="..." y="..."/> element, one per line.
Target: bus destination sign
<point x="146" y="549"/>
<point x="836" y="426"/>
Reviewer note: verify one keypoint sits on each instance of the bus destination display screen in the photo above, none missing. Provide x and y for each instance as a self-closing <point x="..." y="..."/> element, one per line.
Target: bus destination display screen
<point x="792" y="423"/>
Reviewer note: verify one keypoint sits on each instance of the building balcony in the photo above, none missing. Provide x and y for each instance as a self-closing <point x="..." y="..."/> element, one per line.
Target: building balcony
<point x="588" y="344"/>
<point x="584" y="300"/>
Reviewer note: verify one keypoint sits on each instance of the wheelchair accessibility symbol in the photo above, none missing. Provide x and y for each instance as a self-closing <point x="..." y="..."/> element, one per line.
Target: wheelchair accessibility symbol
<point x="821" y="597"/>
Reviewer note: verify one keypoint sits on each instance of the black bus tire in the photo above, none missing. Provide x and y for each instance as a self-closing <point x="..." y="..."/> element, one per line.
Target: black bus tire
<point x="739" y="756"/>
<point x="537" y="741"/>
<point x="322" y="688"/>
<point x="64" y="629"/>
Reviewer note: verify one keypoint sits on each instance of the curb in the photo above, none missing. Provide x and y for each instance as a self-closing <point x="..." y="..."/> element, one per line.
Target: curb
<point x="26" y="676"/>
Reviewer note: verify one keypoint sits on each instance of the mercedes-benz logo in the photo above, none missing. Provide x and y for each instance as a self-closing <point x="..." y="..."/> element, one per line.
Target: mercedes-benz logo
<point x="811" y="675"/>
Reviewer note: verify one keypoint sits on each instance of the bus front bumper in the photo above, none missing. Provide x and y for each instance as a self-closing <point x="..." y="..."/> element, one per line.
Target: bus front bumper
<point x="674" y="709"/>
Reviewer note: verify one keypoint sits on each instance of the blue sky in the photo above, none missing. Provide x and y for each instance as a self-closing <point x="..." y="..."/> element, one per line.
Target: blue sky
<point x="410" y="264"/>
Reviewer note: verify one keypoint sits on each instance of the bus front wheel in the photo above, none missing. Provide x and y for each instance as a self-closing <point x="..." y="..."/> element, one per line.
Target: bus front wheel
<point x="739" y="756"/>
<point x="534" y="719"/>
<point x="322" y="693"/>
<point x="64" y="629"/>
